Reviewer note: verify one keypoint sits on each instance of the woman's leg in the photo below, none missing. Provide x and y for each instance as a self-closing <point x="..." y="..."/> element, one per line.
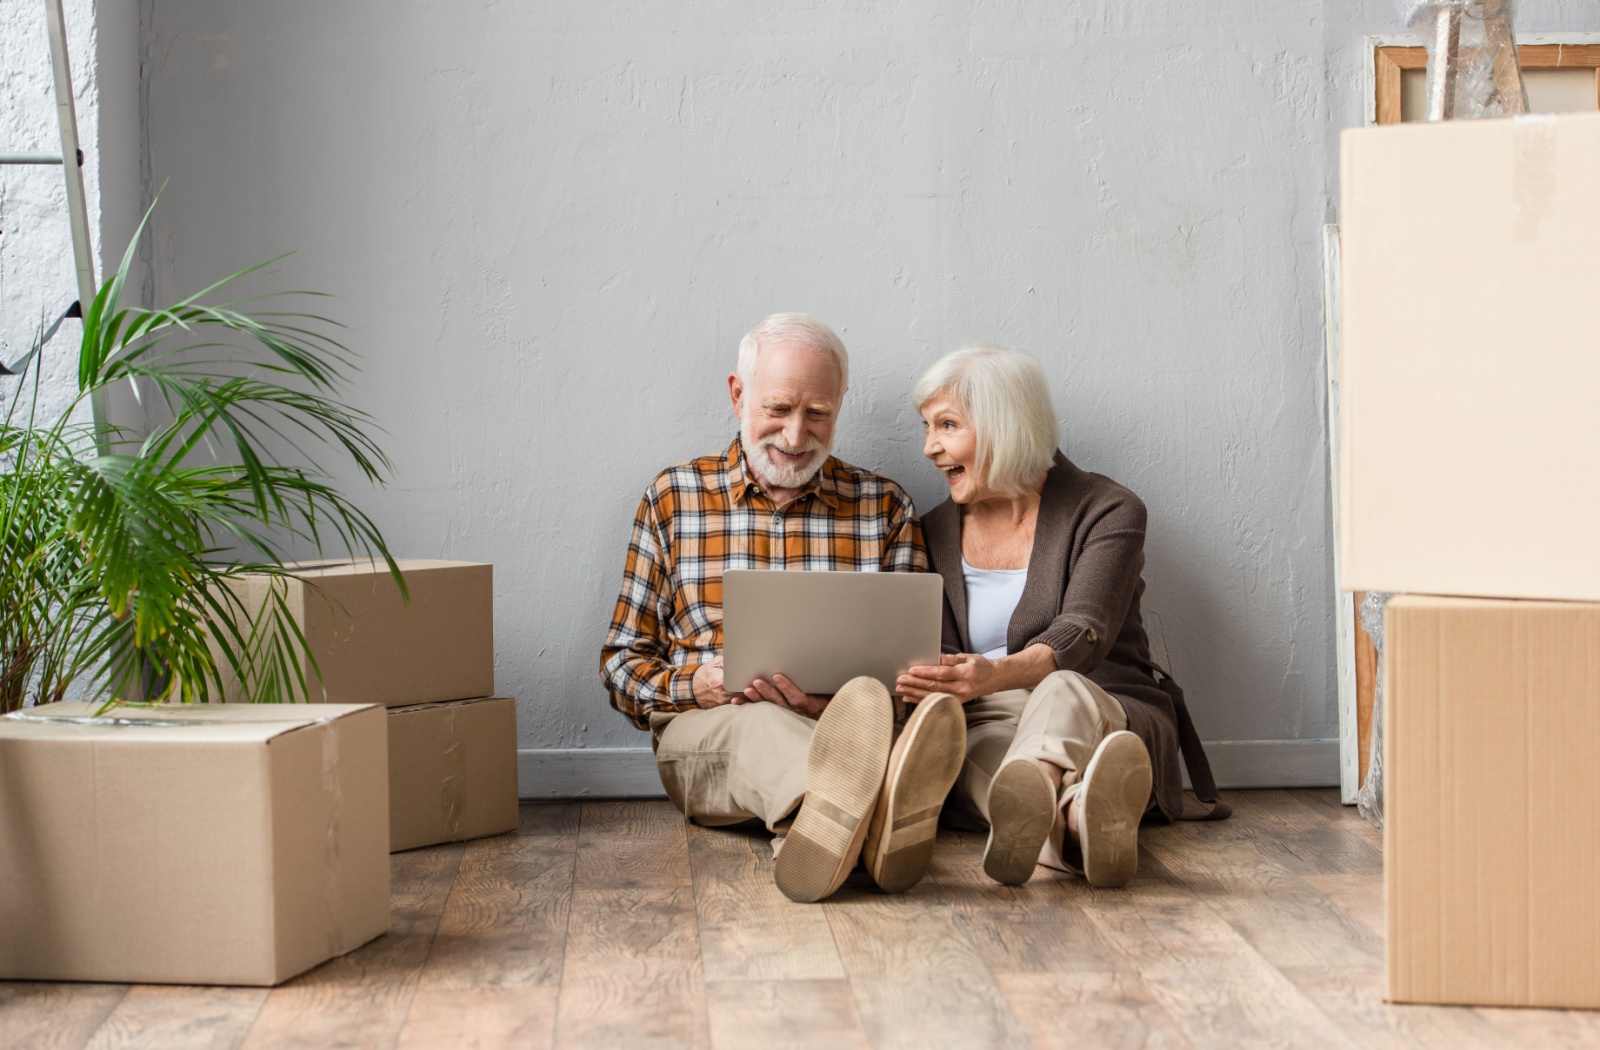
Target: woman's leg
<point x="991" y="727"/>
<point x="1064" y="721"/>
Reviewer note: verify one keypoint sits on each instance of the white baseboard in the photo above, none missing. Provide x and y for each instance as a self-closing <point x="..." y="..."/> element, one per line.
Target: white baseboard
<point x="631" y="772"/>
<point x="1274" y="763"/>
<point x="588" y="773"/>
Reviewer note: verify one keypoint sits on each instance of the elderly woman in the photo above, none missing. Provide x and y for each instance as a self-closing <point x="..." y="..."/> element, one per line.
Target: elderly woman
<point x="1068" y="727"/>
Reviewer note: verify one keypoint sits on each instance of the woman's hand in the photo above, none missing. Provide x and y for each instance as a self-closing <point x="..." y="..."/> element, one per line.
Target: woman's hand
<point x="785" y="693"/>
<point x="968" y="675"/>
<point x="963" y="675"/>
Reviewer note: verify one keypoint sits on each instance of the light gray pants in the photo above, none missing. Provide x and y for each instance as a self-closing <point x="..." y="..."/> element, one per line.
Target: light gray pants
<point x="1059" y="722"/>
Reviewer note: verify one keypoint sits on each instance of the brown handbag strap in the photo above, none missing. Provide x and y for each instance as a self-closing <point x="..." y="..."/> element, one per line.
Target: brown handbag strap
<point x="1211" y="806"/>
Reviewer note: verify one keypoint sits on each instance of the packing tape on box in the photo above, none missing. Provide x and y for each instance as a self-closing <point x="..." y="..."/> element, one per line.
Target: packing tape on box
<point x="331" y="788"/>
<point x="102" y="720"/>
<point x="455" y="757"/>
<point x="1533" y="171"/>
<point x="116" y="721"/>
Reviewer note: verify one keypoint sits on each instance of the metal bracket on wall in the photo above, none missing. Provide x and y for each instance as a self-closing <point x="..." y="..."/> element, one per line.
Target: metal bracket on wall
<point x="19" y="367"/>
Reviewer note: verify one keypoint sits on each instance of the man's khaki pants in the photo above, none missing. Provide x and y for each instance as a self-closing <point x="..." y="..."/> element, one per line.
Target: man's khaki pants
<point x="1059" y="722"/>
<point x="738" y="762"/>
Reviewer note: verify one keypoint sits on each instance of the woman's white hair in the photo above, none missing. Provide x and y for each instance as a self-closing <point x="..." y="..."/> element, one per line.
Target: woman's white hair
<point x="798" y="328"/>
<point x="1006" y="395"/>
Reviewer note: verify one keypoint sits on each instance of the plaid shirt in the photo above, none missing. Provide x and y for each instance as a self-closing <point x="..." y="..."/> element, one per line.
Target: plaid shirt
<point x="710" y="514"/>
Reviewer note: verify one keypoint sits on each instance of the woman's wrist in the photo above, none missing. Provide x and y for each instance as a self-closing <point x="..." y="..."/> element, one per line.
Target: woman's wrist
<point x="1026" y="669"/>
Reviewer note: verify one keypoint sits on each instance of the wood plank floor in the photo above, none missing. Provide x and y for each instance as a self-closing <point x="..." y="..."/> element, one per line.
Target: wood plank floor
<point x="617" y="924"/>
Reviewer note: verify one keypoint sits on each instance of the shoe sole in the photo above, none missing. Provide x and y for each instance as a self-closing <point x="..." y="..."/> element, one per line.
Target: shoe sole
<point x="1022" y="810"/>
<point x="844" y="772"/>
<point x="922" y="768"/>
<point x="1116" y="790"/>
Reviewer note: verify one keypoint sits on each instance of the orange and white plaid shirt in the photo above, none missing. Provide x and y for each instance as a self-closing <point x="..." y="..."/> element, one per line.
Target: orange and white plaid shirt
<point x="700" y="518"/>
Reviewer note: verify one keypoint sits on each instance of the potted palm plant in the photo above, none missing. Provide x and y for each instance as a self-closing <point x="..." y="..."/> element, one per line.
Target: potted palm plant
<point x="117" y="547"/>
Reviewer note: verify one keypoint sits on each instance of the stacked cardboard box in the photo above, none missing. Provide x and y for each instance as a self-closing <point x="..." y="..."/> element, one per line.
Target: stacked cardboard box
<point x="1468" y="479"/>
<point x="453" y="771"/>
<point x="430" y="660"/>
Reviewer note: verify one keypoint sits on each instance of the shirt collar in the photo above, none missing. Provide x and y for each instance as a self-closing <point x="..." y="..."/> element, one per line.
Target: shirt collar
<point x="742" y="480"/>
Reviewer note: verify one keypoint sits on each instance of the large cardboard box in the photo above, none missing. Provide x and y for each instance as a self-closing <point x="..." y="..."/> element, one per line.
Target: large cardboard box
<point x="1492" y="805"/>
<point x="452" y="771"/>
<point x="199" y="844"/>
<point x="1470" y="361"/>
<point x="374" y="648"/>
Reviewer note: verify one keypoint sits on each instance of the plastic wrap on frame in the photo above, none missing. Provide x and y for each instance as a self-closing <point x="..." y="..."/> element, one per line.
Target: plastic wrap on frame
<point x="1369" y="800"/>
<point x="1473" y="68"/>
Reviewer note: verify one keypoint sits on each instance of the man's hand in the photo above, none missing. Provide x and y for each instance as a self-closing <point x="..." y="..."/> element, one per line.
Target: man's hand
<point x="962" y="675"/>
<point x="708" y="690"/>
<point x="784" y="693"/>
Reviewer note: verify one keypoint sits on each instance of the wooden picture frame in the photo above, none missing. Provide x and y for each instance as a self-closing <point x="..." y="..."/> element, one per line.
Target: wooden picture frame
<point x="1389" y="61"/>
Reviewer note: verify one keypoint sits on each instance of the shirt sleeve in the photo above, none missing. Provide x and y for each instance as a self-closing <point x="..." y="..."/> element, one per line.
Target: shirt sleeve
<point x="905" y="551"/>
<point x="1099" y="590"/>
<point x="633" y="660"/>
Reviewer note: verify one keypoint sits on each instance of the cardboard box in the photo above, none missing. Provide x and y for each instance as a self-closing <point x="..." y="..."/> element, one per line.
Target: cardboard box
<point x="373" y="648"/>
<point x="197" y="844"/>
<point x="1492" y="805"/>
<point x="1469" y="366"/>
<point x="452" y="771"/>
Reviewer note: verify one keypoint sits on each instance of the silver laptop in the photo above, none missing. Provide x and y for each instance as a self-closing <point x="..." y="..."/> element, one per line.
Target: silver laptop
<point x="821" y="629"/>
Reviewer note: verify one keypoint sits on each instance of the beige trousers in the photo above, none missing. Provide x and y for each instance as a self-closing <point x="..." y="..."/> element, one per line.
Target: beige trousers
<point x="738" y="762"/>
<point x="1059" y="722"/>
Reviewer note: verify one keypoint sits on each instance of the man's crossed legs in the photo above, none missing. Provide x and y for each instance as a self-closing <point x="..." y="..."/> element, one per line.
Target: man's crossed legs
<point x="846" y="786"/>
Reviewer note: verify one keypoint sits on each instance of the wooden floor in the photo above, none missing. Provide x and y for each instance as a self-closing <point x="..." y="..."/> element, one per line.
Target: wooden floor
<point x="616" y="924"/>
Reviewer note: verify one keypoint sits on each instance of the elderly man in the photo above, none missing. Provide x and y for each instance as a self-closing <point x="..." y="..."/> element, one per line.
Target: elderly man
<point x="832" y="777"/>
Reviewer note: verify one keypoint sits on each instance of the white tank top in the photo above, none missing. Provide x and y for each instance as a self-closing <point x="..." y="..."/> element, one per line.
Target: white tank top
<point x="992" y="596"/>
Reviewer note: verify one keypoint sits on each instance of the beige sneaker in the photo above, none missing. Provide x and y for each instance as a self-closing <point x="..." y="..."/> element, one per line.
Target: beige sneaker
<point x="922" y="768"/>
<point x="1115" y="792"/>
<point x="844" y="772"/>
<point x="1022" y="809"/>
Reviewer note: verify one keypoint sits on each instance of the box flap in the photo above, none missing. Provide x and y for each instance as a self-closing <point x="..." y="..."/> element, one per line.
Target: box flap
<point x="365" y="566"/>
<point x="438" y="704"/>
<point x="196" y="722"/>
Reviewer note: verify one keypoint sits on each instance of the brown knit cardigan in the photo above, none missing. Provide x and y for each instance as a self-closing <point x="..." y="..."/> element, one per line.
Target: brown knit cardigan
<point x="1082" y="600"/>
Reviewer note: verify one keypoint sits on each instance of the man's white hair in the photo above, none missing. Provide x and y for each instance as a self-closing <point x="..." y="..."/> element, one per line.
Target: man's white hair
<point x="787" y="328"/>
<point x="1006" y="395"/>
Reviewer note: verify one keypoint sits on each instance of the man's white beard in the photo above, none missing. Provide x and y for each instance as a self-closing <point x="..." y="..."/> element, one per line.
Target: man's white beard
<point x="774" y="475"/>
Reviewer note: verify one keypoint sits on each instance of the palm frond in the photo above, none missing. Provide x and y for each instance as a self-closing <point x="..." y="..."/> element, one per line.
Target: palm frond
<point x="123" y="556"/>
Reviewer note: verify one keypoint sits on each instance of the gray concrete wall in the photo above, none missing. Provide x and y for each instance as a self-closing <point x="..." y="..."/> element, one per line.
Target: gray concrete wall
<point x="549" y="224"/>
<point x="119" y="135"/>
